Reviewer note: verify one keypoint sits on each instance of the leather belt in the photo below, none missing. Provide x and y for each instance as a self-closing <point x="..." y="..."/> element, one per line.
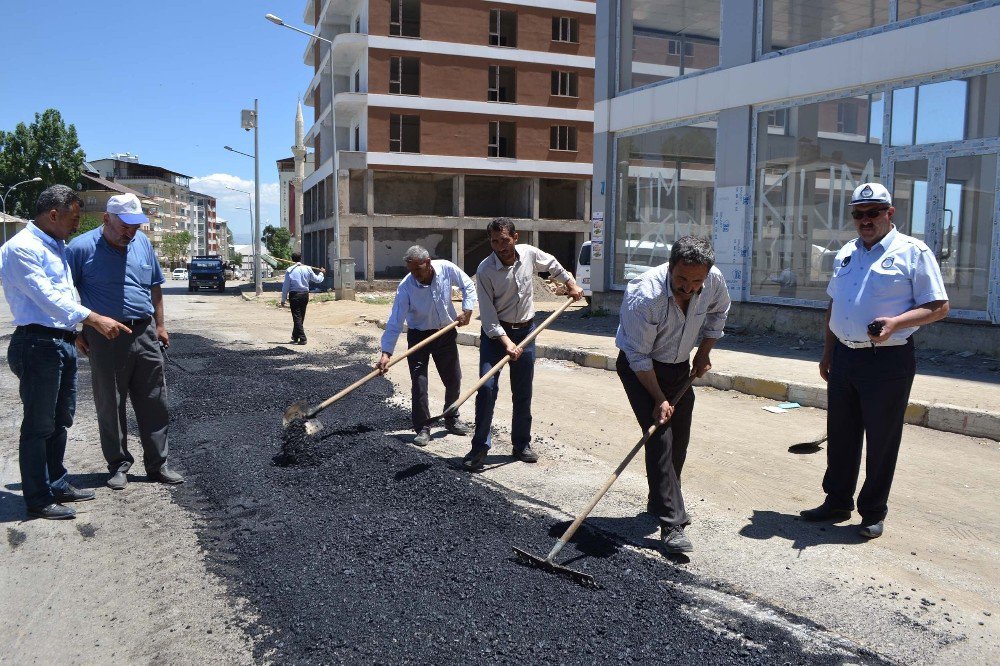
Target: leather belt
<point x="851" y="344"/>
<point x="135" y="323"/>
<point x="38" y="329"/>
<point x="512" y="325"/>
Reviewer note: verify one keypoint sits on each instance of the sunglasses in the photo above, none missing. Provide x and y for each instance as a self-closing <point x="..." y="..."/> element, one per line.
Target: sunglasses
<point x="870" y="214"/>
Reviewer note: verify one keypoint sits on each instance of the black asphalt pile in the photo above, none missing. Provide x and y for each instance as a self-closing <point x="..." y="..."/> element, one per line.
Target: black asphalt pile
<point x="297" y="446"/>
<point x="382" y="553"/>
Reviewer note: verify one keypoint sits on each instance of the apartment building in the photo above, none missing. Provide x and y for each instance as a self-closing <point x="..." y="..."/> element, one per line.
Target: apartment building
<point x="201" y="223"/>
<point x="431" y="117"/>
<point x="752" y="122"/>
<point x="96" y="191"/>
<point x="170" y="191"/>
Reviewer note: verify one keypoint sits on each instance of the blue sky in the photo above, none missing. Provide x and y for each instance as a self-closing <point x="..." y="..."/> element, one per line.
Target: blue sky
<point x="165" y="81"/>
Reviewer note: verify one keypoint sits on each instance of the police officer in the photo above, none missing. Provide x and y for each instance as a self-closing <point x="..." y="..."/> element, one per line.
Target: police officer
<point x="885" y="285"/>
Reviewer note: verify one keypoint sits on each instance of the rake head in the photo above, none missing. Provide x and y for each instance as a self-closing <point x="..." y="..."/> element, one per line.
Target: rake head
<point x="526" y="558"/>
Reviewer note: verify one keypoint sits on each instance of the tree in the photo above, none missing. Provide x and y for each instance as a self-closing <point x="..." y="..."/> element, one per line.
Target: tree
<point x="278" y="242"/>
<point x="46" y="148"/>
<point x="175" y="245"/>
<point x="88" y="221"/>
<point x="236" y="258"/>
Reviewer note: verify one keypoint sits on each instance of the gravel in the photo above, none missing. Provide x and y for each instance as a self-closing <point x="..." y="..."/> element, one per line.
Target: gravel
<point x="377" y="552"/>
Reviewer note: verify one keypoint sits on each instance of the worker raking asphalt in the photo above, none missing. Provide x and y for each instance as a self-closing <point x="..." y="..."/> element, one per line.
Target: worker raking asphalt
<point x="380" y="552"/>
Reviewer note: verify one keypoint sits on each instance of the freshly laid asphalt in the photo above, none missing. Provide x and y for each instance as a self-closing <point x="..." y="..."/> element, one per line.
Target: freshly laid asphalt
<point x="380" y="553"/>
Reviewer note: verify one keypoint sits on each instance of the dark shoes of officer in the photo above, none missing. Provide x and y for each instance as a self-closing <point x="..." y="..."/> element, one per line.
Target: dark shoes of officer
<point x="526" y="454"/>
<point x="474" y="460"/>
<point x="52" y="511"/>
<point x="423" y="437"/>
<point x="674" y="541"/>
<point x="825" y="512"/>
<point x="70" y="494"/>
<point x="165" y="475"/>
<point x="456" y="427"/>
<point x="872" y="531"/>
<point x="118" y="480"/>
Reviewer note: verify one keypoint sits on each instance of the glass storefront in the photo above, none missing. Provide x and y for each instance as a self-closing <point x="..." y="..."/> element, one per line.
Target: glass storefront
<point x="664" y="39"/>
<point x="665" y="189"/>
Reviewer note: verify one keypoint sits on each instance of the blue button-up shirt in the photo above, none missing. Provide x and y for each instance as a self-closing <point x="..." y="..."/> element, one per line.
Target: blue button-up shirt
<point x="427" y="307"/>
<point x="36" y="281"/>
<point x="897" y="274"/>
<point x="114" y="283"/>
<point x="653" y="326"/>
<point x="297" y="279"/>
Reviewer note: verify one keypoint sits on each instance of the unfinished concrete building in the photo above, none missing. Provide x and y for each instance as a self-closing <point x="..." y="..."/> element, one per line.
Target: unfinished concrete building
<point x="434" y="116"/>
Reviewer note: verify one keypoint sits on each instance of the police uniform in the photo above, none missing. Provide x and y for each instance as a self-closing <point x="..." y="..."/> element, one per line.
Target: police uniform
<point x="869" y="383"/>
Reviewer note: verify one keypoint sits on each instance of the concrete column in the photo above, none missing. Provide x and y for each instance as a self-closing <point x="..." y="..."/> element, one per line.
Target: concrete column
<point x="369" y="192"/>
<point x="458" y="195"/>
<point x="460" y="247"/>
<point x="344" y="192"/>
<point x="454" y="245"/>
<point x="534" y="237"/>
<point x="536" y="186"/>
<point x="370" y="252"/>
<point x="738" y="32"/>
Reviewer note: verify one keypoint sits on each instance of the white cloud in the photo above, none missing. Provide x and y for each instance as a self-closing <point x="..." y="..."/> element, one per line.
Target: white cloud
<point x="215" y="185"/>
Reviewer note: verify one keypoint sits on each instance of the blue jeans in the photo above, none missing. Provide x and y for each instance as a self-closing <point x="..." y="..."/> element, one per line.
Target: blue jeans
<point x="46" y="368"/>
<point x="522" y="373"/>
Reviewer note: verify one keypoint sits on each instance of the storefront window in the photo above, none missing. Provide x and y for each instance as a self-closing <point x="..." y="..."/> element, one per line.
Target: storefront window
<point x="805" y="173"/>
<point x="789" y="23"/>
<point x="664" y="189"/>
<point x="664" y="39"/>
<point x="947" y="111"/>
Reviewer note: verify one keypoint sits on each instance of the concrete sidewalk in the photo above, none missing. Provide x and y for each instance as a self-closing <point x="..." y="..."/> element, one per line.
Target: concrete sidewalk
<point x="952" y="392"/>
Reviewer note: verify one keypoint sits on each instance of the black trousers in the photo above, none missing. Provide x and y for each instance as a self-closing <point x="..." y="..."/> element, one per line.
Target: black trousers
<point x="444" y="351"/>
<point x="297" y="302"/>
<point x="667" y="450"/>
<point x="868" y="392"/>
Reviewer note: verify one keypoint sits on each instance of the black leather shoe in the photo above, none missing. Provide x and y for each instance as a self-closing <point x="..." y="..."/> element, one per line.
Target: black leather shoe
<point x="474" y="460"/>
<point x="824" y="512"/>
<point x="165" y="475"/>
<point x="52" y="512"/>
<point x="117" y="481"/>
<point x="526" y="454"/>
<point x="456" y="427"/>
<point x="71" y="494"/>
<point x="301" y="341"/>
<point x="872" y="531"/>
<point x="674" y="541"/>
<point x="423" y="437"/>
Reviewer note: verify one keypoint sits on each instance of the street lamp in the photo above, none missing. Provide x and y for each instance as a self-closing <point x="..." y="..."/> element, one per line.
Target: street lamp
<point x="251" y="120"/>
<point x="3" y="201"/>
<point x="336" y="156"/>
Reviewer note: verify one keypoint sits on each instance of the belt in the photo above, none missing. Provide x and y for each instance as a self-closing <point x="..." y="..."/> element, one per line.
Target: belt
<point x="512" y="325"/>
<point x="851" y="344"/>
<point x="38" y="329"/>
<point x="135" y="323"/>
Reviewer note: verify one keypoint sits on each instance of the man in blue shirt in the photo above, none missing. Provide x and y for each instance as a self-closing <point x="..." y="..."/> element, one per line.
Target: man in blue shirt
<point x="36" y="282"/>
<point x="117" y="274"/>
<point x="423" y="302"/>
<point x="295" y="290"/>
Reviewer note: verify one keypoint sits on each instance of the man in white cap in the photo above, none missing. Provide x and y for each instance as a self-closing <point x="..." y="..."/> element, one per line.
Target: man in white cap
<point x="885" y="285"/>
<point x="117" y="274"/>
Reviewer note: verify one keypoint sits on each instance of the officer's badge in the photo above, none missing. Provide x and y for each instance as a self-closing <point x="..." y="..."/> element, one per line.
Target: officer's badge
<point x="887" y="262"/>
<point x="846" y="260"/>
<point x="867" y="192"/>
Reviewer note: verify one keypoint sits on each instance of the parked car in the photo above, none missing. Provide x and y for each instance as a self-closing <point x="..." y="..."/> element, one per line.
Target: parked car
<point x="180" y="274"/>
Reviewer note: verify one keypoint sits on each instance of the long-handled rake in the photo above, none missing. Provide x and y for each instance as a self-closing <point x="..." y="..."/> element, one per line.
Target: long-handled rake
<point x="548" y="563"/>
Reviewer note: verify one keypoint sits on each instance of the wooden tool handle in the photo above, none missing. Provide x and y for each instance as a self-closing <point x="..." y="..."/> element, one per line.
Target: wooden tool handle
<point x="375" y="373"/>
<point x="501" y="363"/>
<point x="650" y="431"/>
<point x="289" y="261"/>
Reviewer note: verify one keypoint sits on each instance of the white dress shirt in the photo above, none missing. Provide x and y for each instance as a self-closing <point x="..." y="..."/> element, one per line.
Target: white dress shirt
<point x="297" y="279"/>
<point x="427" y="307"/>
<point x="506" y="293"/>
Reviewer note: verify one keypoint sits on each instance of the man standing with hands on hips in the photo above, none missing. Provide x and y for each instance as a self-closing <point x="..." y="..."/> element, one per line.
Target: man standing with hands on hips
<point x="423" y="303"/>
<point x="665" y="313"/>
<point x="295" y="290"/>
<point x="117" y="273"/>
<point x="39" y="290"/>
<point x="885" y="285"/>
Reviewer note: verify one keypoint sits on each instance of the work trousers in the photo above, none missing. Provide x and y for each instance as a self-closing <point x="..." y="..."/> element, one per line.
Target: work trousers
<point x="297" y="302"/>
<point x="45" y="366"/>
<point x="666" y="451"/>
<point x="130" y="367"/>
<point x="522" y="374"/>
<point x="867" y="393"/>
<point x="444" y="351"/>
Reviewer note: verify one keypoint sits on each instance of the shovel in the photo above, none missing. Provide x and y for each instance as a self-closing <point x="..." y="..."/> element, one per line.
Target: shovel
<point x="453" y="407"/>
<point x="547" y="563"/>
<point x="288" y="261"/>
<point x="301" y="409"/>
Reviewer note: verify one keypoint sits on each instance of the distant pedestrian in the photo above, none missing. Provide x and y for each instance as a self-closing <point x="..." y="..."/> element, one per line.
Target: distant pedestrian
<point x="295" y="290"/>
<point x="667" y="312"/>
<point x="39" y="290"/>
<point x="885" y="285"/>
<point x="423" y="303"/>
<point x="117" y="273"/>
<point x="505" y="287"/>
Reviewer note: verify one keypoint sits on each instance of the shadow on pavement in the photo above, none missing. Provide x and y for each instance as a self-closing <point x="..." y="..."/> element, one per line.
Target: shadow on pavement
<point x="766" y="525"/>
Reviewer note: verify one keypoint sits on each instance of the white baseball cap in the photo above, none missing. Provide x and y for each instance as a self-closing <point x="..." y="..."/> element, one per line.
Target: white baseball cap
<point x="127" y="208"/>
<point x="871" y="193"/>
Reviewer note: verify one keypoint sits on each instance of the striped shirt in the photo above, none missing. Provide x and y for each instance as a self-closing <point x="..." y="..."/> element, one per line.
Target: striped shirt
<point x="427" y="307"/>
<point x="506" y="293"/>
<point x="654" y="328"/>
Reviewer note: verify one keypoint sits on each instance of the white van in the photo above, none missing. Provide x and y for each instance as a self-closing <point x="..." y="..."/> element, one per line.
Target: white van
<point x="583" y="270"/>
